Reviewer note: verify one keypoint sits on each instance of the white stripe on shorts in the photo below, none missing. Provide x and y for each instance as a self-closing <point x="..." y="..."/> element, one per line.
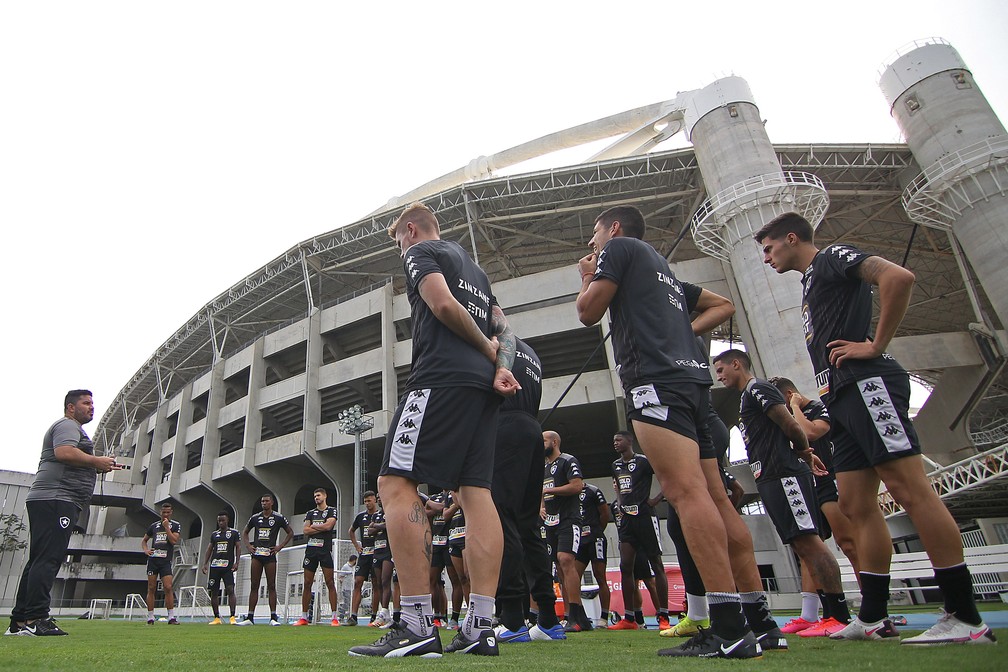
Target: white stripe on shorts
<point x="576" y="544"/>
<point x="646" y="397"/>
<point x="408" y="430"/>
<point x="884" y="416"/>
<point x="796" y="500"/>
<point x="657" y="532"/>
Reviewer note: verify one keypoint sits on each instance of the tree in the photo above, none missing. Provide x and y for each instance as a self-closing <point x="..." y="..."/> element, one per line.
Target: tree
<point x="11" y="527"/>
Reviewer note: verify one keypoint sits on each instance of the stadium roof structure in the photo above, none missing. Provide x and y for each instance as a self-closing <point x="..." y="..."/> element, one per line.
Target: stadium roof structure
<point x="527" y="223"/>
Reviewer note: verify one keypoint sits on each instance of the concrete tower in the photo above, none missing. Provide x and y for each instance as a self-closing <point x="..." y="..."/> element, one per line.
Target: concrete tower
<point x="962" y="146"/>
<point x="741" y="170"/>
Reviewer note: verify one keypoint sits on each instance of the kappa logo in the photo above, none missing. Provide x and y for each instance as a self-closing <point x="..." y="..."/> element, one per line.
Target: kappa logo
<point x="789" y="482"/>
<point x="845" y="253"/>
<point x="793" y="493"/>
<point x="884" y="415"/>
<point x="404" y="439"/>
<point x="419" y="394"/>
<point x="877" y="401"/>
<point x="870" y="387"/>
<point x="64" y="522"/>
<point x="891" y="430"/>
<point x="640" y="393"/>
<point x="413" y="408"/>
<point x="408" y="424"/>
<point x="796" y="502"/>
<point x="801" y="512"/>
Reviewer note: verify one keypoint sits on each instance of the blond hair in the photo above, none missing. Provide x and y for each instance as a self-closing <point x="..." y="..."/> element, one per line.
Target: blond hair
<point x="419" y="214"/>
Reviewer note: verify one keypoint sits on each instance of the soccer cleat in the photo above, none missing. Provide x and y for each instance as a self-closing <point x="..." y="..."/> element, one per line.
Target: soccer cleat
<point x="15" y="630"/>
<point x="453" y="624"/>
<point x="951" y="630"/>
<point x="335" y="623"/>
<point x="301" y="621"/>
<point x="399" y="642"/>
<point x="173" y="621"/>
<point x="505" y="636"/>
<point x="624" y="624"/>
<point x="246" y="621"/>
<point x="233" y="621"/>
<point x="796" y="625"/>
<point x="437" y="623"/>
<point x="275" y="621"/>
<point x="600" y="624"/>
<point x="686" y="627"/>
<point x="705" y="644"/>
<point x="216" y="621"/>
<point x="663" y="623"/>
<point x="351" y="621"/>
<point x="484" y="645"/>
<point x="771" y="640"/>
<point x="859" y="630"/>
<point x="150" y="620"/>
<point x="541" y="634"/>
<point x="824" y="627"/>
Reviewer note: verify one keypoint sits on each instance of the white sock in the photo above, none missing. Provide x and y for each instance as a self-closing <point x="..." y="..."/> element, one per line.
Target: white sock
<point x="696" y="607"/>
<point x="810" y="607"/>
<point x="417" y="613"/>
<point x="150" y="615"/>
<point x="479" y="616"/>
<point x="304" y="615"/>
<point x="171" y="613"/>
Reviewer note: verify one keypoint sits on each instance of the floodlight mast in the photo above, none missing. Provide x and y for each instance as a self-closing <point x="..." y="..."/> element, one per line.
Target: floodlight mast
<point x="353" y="421"/>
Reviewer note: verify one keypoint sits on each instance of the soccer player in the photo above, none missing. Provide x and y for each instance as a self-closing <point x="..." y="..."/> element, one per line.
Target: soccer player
<point x="319" y="524"/>
<point x="440" y="559"/>
<point x="365" y="553"/>
<point x="221" y="557"/>
<point x="381" y="569"/>
<point x="868" y="396"/>
<point x="665" y="379"/>
<point x="456" y="556"/>
<point x="163" y="536"/>
<point x="813" y="418"/>
<point x="632" y="474"/>
<point x="264" y="548"/>
<point x="562" y="486"/>
<point x="442" y="433"/>
<point x="594" y="545"/>
<point x="783" y="465"/>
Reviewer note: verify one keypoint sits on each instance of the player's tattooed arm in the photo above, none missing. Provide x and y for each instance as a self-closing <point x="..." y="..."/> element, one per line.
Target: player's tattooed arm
<point x="505" y="338"/>
<point x="895" y="285"/>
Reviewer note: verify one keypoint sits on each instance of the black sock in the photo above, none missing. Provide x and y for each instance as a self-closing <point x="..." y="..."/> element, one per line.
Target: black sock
<point x="512" y="615"/>
<point x="837" y="605"/>
<point x="727" y="620"/>
<point x="956" y="585"/>
<point x="639" y="617"/>
<point x="874" y="597"/>
<point x="825" y="605"/>
<point x="605" y="615"/>
<point x="757" y="612"/>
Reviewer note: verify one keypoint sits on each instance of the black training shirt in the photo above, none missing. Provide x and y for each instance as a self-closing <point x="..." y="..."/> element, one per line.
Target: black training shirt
<point x="769" y="449"/>
<point x="653" y="341"/>
<point x="837" y="305"/>
<point x="440" y="358"/>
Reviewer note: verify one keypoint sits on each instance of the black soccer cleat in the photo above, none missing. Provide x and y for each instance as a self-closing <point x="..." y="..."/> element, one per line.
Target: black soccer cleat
<point x="400" y="642"/>
<point x="772" y="640"/>
<point x="484" y="645"/>
<point x="45" y="627"/>
<point x="705" y="644"/>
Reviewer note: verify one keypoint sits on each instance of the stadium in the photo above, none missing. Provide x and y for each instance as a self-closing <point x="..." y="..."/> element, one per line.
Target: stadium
<point x="252" y="394"/>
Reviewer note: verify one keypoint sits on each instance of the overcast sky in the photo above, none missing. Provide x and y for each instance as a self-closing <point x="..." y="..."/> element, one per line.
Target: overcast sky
<point x="153" y="154"/>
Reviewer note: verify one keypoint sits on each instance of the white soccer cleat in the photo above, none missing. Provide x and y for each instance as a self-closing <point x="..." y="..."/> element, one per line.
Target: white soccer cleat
<point x="951" y="630"/>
